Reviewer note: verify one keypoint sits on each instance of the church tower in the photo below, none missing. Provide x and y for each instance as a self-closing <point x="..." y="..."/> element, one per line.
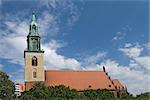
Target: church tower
<point x="33" y="55"/>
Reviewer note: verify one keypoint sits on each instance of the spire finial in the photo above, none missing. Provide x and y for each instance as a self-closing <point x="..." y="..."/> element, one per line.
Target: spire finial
<point x="33" y="16"/>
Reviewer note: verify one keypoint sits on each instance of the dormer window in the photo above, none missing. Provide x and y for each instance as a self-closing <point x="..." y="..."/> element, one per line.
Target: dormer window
<point x="34" y="61"/>
<point x="90" y="86"/>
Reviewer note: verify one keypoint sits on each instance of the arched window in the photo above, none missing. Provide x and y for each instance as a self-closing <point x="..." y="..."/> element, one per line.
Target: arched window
<point x="34" y="61"/>
<point x="34" y="29"/>
<point x="34" y="73"/>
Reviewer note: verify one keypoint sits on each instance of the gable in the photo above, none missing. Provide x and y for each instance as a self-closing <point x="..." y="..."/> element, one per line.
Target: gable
<point x="118" y="85"/>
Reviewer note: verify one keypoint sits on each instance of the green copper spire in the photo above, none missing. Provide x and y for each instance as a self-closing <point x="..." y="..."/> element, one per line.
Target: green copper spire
<point x="33" y="16"/>
<point x="33" y="25"/>
<point x="33" y="38"/>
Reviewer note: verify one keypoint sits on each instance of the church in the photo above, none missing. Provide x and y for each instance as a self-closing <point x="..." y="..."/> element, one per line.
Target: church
<point x="76" y="79"/>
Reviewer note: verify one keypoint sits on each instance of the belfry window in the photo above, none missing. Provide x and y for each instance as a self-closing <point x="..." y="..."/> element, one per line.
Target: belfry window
<point x="34" y="61"/>
<point x="34" y="29"/>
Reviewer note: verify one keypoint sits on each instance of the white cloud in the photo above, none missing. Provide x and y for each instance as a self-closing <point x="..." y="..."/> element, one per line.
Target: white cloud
<point x="140" y="65"/>
<point x="136" y="81"/>
<point x="13" y="41"/>
<point x="128" y="45"/>
<point x="54" y="45"/>
<point x="134" y="65"/>
<point x="13" y="45"/>
<point x="132" y="52"/>
<point x="13" y="38"/>
<point x="54" y="60"/>
<point x="90" y="61"/>
<point x="12" y="49"/>
<point x="143" y="61"/>
<point x="147" y="45"/>
<point x="122" y="33"/>
<point x="48" y="24"/>
<point x="96" y="57"/>
<point x="135" y="75"/>
<point x="15" y="27"/>
<point x="61" y="7"/>
<point x="119" y="36"/>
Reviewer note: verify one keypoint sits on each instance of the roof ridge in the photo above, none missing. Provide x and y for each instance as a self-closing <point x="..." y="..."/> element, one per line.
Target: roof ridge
<point x="78" y="70"/>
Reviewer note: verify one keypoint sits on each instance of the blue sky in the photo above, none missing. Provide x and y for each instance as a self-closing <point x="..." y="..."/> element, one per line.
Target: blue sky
<point x="80" y="35"/>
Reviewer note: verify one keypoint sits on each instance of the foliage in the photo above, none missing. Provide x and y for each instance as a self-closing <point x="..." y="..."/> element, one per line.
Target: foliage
<point x="126" y="96"/>
<point x="99" y="94"/>
<point x="144" y="96"/>
<point x="40" y="92"/>
<point x="62" y="92"/>
<point x="7" y="87"/>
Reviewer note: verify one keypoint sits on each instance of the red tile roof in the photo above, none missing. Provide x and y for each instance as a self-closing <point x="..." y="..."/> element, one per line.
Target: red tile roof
<point x="79" y="80"/>
<point x="118" y="85"/>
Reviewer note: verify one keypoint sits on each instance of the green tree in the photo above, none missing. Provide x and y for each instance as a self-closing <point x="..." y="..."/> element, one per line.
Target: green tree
<point x="27" y="96"/>
<point x="7" y="87"/>
<point x="143" y="96"/>
<point x="127" y="96"/>
<point x="41" y="92"/>
<point x="106" y="94"/>
<point x="62" y="93"/>
<point x="38" y="92"/>
<point x="98" y="95"/>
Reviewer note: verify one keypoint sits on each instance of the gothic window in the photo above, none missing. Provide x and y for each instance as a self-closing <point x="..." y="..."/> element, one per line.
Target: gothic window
<point x="34" y="61"/>
<point x="34" y="73"/>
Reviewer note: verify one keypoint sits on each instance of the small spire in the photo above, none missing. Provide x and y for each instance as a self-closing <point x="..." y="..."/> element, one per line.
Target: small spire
<point x="33" y="16"/>
<point x="104" y="69"/>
